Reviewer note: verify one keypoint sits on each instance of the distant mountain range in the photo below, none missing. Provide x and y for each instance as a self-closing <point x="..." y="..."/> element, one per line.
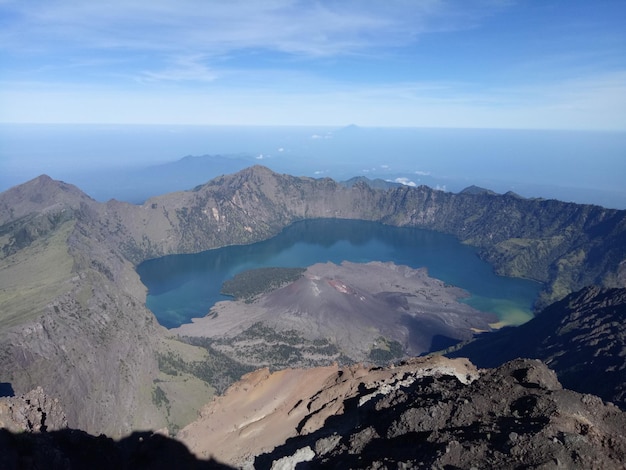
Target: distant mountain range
<point x="73" y="319"/>
<point x="136" y="184"/>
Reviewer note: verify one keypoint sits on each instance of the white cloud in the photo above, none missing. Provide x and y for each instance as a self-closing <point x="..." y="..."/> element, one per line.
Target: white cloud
<point x="405" y="182"/>
<point x="422" y="173"/>
<point x="182" y="69"/>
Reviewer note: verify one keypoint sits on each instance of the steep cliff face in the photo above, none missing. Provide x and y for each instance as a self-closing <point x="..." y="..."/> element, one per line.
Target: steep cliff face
<point x="72" y="306"/>
<point x="72" y="314"/>
<point x="582" y="338"/>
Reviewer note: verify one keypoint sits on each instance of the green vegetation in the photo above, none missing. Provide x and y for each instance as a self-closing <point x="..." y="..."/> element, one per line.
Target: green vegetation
<point x="261" y="345"/>
<point x="227" y="359"/>
<point x="32" y="276"/>
<point x="159" y="398"/>
<point x="217" y="369"/>
<point x="249" y="284"/>
<point x="385" y="350"/>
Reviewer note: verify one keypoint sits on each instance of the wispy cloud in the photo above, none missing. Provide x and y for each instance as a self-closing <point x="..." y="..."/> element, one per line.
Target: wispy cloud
<point x="182" y="69"/>
<point x="305" y="62"/>
<point x="321" y="28"/>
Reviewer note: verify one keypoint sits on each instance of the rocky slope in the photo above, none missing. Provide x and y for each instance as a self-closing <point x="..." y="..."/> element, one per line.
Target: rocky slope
<point x="426" y="413"/>
<point x="72" y="315"/>
<point x="264" y="409"/>
<point x="72" y="312"/>
<point x="582" y="338"/>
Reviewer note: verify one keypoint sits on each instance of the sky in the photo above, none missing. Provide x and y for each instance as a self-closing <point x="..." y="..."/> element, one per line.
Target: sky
<point x="526" y="64"/>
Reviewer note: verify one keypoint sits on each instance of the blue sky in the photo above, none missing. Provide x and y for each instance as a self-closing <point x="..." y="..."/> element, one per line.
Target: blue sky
<point x="543" y="64"/>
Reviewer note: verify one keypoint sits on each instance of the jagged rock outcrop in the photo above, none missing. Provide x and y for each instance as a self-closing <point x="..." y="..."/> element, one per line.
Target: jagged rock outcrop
<point x="264" y="409"/>
<point x="515" y="416"/>
<point x="582" y="338"/>
<point x="425" y="413"/>
<point x="34" y="411"/>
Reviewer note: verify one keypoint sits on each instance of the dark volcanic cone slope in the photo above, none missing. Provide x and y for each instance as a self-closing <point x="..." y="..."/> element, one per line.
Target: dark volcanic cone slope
<point x="358" y="307"/>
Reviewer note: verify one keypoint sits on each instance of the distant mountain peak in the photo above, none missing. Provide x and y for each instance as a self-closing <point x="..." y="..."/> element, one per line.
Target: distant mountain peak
<point x="37" y="195"/>
<point x="473" y="189"/>
<point x="514" y="194"/>
<point x="349" y="129"/>
<point x="377" y="183"/>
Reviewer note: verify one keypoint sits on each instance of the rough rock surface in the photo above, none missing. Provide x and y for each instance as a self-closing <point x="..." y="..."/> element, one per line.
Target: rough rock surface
<point x="582" y="338"/>
<point x="427" y="413"/>
<point x="515" y="416"/>
<point x="33" y="412"/>
<point x="264" y="409"/>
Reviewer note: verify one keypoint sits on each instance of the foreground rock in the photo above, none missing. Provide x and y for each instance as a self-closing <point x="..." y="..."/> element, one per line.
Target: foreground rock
<point x="426" y="413"/>
<point x="32" y="412"/>
<point x="514" y="416"/>
<point x="263" y="410"/>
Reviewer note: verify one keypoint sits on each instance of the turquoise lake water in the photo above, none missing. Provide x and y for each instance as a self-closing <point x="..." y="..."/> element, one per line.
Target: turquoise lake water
<point x="181" y="287"/>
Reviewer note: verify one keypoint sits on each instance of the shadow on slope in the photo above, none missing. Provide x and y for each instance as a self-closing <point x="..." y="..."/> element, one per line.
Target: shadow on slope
<point x="582" y="338"/>
<point x="70" y="448"/>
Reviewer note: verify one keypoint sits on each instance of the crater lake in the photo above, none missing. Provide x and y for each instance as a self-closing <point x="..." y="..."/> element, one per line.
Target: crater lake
<point x="181" y="287"/>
